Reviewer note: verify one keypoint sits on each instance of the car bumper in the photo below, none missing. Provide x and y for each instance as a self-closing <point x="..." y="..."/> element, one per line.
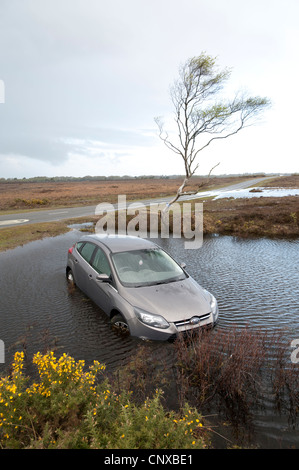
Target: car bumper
<point x="145" y="332"/>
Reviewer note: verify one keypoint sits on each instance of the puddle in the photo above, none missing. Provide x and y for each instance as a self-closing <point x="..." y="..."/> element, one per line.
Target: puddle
<point x="258" y="192"/>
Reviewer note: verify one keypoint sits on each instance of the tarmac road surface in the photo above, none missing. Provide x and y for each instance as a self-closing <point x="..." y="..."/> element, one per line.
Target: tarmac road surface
<point x="53" y="215"/>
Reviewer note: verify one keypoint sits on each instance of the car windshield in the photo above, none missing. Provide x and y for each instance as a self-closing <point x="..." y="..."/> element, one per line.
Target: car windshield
<point x="146" y="267"/>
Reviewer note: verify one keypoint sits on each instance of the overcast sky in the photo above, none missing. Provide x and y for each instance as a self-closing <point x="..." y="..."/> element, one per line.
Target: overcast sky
<point x="82" y="81"/>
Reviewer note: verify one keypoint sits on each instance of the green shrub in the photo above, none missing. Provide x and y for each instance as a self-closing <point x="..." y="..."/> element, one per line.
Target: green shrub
<point x="69" y="407"/>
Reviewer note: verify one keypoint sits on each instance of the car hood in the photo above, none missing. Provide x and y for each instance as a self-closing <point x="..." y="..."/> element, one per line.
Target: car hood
<point x="175" y="301"/>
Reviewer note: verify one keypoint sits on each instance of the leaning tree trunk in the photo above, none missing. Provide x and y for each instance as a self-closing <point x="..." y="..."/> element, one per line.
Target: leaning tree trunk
<point x="179" y="193"/>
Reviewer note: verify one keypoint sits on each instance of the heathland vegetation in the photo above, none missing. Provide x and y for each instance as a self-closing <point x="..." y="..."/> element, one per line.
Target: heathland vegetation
<point x="245" y="217"/>
<point x="49" y="193"/>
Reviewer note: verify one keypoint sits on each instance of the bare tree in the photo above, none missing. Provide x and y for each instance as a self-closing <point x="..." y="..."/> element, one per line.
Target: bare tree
<point x="202" y="116"/>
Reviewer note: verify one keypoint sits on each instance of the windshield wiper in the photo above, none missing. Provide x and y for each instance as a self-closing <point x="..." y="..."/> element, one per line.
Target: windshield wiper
<point x="156" y="283"/>
<point x="164" y="282"/>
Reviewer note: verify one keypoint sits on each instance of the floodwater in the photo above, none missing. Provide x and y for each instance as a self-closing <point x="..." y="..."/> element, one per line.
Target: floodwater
<point x="256" y="283"/>
<point x="256" y="192"/>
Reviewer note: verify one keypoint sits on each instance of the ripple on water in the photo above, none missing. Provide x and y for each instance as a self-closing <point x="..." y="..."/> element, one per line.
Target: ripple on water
<point x="256" y="283"/>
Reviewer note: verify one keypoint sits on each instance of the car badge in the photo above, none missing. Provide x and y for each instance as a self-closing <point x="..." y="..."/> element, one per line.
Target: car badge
<point x="195" y="320"/>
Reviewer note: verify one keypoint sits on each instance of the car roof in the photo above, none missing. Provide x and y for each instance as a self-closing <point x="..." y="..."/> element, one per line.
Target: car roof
<point x="118" y="243"/>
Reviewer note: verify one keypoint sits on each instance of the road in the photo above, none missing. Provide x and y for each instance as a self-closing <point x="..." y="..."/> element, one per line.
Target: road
<point x="54" y="215"/>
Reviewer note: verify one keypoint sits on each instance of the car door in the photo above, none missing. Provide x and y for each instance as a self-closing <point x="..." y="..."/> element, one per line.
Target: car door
<point x="100" y="292"/>
<point x="82" y="266"/>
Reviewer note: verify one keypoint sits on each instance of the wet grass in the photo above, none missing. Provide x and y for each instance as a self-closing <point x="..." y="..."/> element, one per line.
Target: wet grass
<point x="11" y="237"/>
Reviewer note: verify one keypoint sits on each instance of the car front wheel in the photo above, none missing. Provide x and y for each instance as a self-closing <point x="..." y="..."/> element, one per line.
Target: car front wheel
<point x="70" y="277"/>
<point x="120" y="323"/>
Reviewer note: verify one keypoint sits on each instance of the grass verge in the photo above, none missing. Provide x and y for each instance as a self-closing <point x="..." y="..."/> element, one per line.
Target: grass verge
<point x="11" y="237"/>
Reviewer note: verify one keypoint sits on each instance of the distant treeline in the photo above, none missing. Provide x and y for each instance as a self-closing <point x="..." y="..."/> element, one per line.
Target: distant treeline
<point x="56" y="179"/>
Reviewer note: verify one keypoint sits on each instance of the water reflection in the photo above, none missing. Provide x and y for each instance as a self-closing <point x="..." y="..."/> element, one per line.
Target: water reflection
<point x="256" y="282"/>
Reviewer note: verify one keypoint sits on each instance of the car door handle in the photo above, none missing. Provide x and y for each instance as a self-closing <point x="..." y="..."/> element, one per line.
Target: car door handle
<point x="90" y="276"/>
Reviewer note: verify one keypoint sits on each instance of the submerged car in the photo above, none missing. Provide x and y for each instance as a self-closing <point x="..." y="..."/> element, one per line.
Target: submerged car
<point x="141" y="287"/>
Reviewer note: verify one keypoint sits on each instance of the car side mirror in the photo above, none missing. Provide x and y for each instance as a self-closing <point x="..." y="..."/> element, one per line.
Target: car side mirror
<point x="103" y="277"/>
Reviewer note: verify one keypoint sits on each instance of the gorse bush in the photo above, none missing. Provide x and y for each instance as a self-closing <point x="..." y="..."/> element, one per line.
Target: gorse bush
<point x="70" y="407"/>
<point x="30" y="202"/>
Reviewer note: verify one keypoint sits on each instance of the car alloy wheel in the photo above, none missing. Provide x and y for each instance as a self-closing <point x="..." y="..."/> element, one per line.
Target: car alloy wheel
<point x="120" y="323"/>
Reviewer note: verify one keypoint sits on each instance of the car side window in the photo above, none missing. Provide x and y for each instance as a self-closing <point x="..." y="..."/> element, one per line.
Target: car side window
<point x="100" y="263"/>
<point x="87" y="251"/>
<point x="79" y="246"/>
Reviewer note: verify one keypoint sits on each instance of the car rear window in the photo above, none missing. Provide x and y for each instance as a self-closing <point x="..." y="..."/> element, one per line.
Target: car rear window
<point x="87" y="251"/>
<point x="79" y="246"/>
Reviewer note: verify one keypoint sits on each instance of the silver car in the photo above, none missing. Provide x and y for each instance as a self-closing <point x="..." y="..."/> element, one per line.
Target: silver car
<point x="142" y="289"/>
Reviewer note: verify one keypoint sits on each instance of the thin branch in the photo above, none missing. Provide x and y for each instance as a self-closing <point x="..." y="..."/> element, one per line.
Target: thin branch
<point x="200" y="81"/>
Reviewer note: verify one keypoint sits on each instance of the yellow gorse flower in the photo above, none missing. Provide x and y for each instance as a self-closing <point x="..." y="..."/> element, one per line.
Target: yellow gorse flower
<point x="64" y="386"/>
<point x="52" y="371"/>
<point x="64" y="372"/>
<point x="65" y="369"/>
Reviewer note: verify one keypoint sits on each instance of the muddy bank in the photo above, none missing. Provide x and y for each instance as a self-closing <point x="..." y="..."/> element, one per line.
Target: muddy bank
<point x="253" y="217"/>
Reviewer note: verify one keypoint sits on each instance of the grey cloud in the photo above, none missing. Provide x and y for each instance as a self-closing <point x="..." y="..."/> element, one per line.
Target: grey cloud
<point x="88" y="76"/>
<point x="38" y="148"/>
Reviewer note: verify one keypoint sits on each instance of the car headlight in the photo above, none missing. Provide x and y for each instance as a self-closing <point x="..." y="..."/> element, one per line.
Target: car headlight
<point x="150" y="319"/>
<point x="213" y="304"/>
